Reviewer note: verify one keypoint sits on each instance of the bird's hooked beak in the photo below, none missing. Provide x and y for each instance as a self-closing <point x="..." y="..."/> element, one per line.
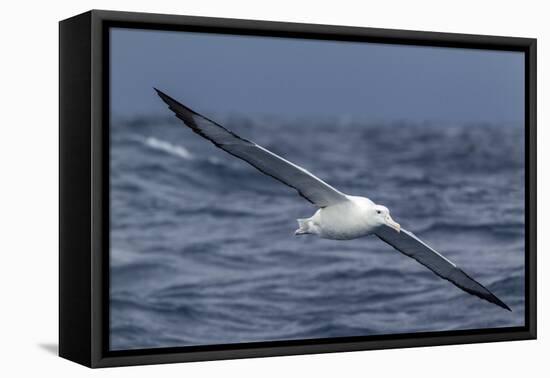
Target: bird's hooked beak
<point x="393" y="224"/>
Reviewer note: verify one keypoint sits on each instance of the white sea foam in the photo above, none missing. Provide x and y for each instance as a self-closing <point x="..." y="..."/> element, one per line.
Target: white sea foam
<point x="172" y="149"/>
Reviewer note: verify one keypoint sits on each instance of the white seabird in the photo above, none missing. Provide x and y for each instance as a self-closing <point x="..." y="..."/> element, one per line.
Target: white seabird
<point x="340" y="216"/>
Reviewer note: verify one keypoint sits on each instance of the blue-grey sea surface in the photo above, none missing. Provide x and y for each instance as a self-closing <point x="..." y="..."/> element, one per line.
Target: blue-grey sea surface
<point x="202" y="245"/>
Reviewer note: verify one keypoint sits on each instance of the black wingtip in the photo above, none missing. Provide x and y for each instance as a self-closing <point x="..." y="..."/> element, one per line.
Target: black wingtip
<point x="183" y="111"/>
<point x="488" y="295"/>
<point x="175" y="105"/>
<point x="500" y="303"/>
<point x="163" y="95"/>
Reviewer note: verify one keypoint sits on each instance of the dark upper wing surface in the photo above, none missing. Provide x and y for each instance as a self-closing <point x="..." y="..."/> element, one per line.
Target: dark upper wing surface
<point x="407" y="243"/>
<point x="308" y="186"/>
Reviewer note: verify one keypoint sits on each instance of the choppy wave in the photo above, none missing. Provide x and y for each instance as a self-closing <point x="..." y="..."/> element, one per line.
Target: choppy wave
<point x="172" y="149"/>
<point x="203" y="250"/>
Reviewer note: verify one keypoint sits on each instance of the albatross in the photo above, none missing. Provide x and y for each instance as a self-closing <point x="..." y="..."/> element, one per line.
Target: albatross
<point x="339" y="216"/>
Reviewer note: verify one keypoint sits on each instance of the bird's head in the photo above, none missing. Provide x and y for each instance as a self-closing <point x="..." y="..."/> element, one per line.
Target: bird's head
<point x="381" y="216"/>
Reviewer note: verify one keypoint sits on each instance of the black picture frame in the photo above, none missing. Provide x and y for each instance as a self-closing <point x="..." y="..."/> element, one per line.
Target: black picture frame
<point x="84" y="188"/>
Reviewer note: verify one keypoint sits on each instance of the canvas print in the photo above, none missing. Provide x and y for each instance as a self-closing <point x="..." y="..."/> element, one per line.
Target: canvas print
<point x="270" y="189"/>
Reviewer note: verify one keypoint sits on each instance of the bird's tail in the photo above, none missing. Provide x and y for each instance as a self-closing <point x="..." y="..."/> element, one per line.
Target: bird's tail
<point x="303" y="226"/>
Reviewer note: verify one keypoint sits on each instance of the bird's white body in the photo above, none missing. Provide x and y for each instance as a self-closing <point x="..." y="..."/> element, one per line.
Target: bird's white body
<point x="351" y="219"/>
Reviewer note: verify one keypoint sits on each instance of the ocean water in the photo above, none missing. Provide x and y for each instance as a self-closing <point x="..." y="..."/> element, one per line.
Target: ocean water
<point x="203" y="248"/>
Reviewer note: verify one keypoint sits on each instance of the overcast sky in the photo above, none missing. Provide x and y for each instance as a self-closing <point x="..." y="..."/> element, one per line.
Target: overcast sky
<point x="221" y="74"/>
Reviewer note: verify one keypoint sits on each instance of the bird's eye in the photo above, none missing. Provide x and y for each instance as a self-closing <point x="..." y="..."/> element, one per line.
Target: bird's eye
<point x="378" y="212"/>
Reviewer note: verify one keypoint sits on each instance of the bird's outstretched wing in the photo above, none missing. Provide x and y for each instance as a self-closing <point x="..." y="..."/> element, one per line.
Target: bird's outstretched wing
<point x="406" y="242"/>
<point x="308" y="186"/>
